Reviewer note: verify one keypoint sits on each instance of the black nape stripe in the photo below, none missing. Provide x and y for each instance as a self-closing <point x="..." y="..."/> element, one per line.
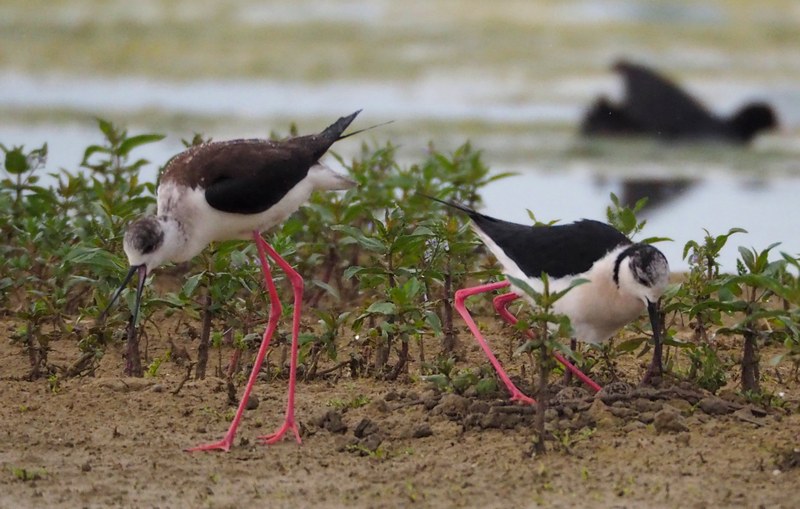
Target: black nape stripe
<point x="643" y="256"/>
<point x="628" y="252"/>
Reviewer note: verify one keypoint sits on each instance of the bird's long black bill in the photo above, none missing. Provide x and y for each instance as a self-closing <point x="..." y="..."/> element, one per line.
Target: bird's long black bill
<point x="656" y="367"/>
<point x="139" y="290"/>
<point x="117" y="293"/>
<point x="142" y="270"/>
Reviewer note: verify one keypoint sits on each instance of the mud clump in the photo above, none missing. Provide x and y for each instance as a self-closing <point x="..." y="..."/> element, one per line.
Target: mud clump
<point x="788" y="460"/>
<point x="713" y="405"/>
<point x="367" y="438"/>
<point x="452" y="405"/>
<point x="669" y="420"/>
<point x="331" y="421"/>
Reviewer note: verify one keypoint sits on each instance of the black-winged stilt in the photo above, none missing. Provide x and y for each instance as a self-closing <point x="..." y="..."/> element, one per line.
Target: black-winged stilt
<point x="235" y="190"/>
<point x="655" y="106"/>
<point x="624" y="279"/>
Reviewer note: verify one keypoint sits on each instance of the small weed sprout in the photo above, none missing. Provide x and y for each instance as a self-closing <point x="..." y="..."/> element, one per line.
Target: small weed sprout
<point x="28" y="474"/>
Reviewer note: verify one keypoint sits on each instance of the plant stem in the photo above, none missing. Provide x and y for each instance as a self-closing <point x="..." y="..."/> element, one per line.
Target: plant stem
<point x="205" y="339"/>
<point x="450" y="342"/>
<point x="133" y="360"/>
<point x="750" y="370"/>
<point x="541" y="396"/>
<point x="402" y="361"/>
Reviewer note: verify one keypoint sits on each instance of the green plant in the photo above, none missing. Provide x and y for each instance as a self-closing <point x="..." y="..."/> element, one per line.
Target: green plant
<point x="697" y="290"/>
<point x="445" y="377"/>
<point x="54" y="383"/>
<point x="398" y="267"/>
<point x="625" y="219"/>
<point x="357" y="401"/>
<point x="707" y="369"/>
<point x="152" y="369"/>
<point x="314" y="345"/>
<point x="749" y="293"/>
<point x="568" y="438"/>
<point x="547" y="339"/>
<point x="28" y="474"/>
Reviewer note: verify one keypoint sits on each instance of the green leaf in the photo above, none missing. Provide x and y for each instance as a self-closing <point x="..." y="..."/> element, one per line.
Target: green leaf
<point x="433" y="321"/>
<point x="777" y="359"/>
<point x="351" y="271"/>
<point x="94" y="257"/>
<point x="691" y="245"/>
<point x="630" y="345"/>
<point x="91" y="150"/>
<point x="486" y="386"/>
<point x="748" y="258"/>
<point x="328" y="288"/>
<point x="382" y="308"/>
<point x="107" y="128"/>
<point x="423" y="231"/>
<point x="575" y="282"/>
<point x="524" y="286"/>
<point x="169" y="299"/>
<point x="671" y="341"/>
<point x="369" y="243"/>
<point x="653" y="240"/>
<point x="758" y="281"/>
<point x="439" y="380"/>
<point x="191" y="283"/>
<point x="363" y="271"/>
<point x="16" y="162"/>
<point x="135" y="141"/>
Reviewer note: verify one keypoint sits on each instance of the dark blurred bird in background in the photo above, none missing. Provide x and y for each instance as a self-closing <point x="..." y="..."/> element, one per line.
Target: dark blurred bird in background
<point x="656" y="107"/>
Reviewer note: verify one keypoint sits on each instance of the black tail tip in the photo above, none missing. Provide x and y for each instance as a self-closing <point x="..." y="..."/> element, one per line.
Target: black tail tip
<point x="336" y="129"/>
<point x="349" y="118"/>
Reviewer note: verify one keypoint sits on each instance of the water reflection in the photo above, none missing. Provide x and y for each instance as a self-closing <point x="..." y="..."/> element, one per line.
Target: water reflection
<point x="658" y="191"/>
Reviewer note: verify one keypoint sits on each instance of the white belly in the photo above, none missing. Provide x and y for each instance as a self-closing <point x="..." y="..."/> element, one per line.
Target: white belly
<point x="202" y="224"/>
<point x="596" y="310"/>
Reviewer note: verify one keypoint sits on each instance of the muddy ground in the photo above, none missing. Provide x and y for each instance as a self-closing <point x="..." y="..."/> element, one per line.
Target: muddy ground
<point x="108" y="441"/>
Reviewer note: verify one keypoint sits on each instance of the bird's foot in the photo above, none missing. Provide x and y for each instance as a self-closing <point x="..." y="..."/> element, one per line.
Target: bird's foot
<point x="288" y="424"/>
<point x="223" y="445"/>
<point x="516" y="395"/>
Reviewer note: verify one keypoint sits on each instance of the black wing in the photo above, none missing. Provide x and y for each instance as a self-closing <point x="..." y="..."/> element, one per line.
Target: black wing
<point x="660" y="106"/>
<point x="558" y="251"/>
<point x="249" y="177"/>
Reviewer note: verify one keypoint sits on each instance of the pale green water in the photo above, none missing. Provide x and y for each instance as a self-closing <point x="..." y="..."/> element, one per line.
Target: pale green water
<point x="512" y="76"/>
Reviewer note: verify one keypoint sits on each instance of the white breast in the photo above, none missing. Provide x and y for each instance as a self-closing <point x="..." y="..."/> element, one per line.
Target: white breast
<point x="200" y="224"/>
<point x="597" y="309"/>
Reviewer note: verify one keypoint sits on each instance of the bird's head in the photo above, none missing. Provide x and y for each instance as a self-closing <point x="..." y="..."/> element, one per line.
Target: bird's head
<point x="643" y="272"/>
<point x="752" y="119"/>
<point x="147" y="245"/>
<point x="145" y="242"/>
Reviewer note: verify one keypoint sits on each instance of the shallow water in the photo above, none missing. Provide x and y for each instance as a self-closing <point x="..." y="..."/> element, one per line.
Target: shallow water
<point x="513" y="77"/>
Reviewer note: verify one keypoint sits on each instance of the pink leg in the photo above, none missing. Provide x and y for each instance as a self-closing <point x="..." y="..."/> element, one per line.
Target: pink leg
<point x="461" y="295"/>
<point x="274" y="313"/>
<point x="297" y="286"/>
<point x="501" y="303"/>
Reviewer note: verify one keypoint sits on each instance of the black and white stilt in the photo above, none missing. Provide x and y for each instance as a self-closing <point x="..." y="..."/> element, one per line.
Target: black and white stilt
<point x="625" y="278"/>
<point x="236" y="190"/>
